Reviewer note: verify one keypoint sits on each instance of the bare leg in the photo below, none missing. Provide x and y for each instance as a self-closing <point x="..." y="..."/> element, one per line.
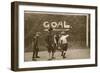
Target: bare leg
<point x="33" y="58"/>
<point x="37" y="54"/>
<point x="64" y="53"/>
<point x="33" y="54"/>
<point x="61" y="53"/>
<point x="53" y="55"/>
<point x="50" y="56"/>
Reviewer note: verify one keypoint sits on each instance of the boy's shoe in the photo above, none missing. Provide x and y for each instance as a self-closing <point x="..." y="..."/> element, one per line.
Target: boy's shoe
<point x="50" y="59"/>
<point x="37" y="57"/>
<point x="64" y="57"/>
<point x="34" y="59"/>
<point x="53" y="57"/>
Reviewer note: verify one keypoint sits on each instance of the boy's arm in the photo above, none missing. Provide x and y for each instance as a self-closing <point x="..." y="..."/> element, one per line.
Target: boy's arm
<point x="67" y="36"/>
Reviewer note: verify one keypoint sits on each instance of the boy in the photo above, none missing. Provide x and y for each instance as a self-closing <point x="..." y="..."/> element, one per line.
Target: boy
<point x="63" y="43"/>
<point x="50" y="44"/>
<point x="35" y="46"/>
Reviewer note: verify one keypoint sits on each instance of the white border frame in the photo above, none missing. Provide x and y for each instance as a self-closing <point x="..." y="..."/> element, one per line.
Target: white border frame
<point x="23" y="64"/>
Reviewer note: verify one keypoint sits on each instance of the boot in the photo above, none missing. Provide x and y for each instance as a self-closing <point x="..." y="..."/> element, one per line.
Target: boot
<point x="37" y="55"/>
<point x="33" y="59"/>
<point x="64" y="55"/>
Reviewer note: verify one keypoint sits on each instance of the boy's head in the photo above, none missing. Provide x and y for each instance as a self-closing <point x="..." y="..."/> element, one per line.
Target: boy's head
<point x="37" y="34"/>
<point x="63" y="33"/>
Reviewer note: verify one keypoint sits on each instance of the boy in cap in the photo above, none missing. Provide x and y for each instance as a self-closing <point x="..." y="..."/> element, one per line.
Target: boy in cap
<point x="35" y="46"/>
<point x="50" y="44"/>
<point x="63" y="43"/>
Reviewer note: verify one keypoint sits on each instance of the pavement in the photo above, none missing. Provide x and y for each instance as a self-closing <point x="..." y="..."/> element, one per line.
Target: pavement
<point x="70" y="54"/>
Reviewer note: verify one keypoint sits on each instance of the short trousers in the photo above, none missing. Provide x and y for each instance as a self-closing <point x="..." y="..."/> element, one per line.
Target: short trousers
<point x="51" y="48"/>
<point x="35" y="48"/>
<point x="64" y="47"/>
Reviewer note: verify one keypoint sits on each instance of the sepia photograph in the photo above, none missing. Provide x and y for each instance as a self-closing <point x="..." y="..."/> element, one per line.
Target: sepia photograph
<point x="56" y="36"/>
